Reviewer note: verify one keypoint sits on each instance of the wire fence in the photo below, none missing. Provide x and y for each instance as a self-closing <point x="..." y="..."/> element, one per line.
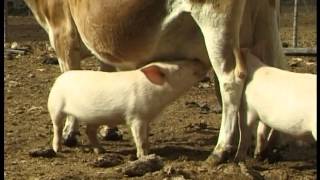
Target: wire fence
<point x="298" y="16"/>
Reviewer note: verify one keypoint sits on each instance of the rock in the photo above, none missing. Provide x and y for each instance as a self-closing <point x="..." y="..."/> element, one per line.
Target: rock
<point x="107" y="161"/>
<point x="34" y="109"/>
<point x="6" y="45"/>
<point x="18" y="56"/>
<point x="31" y="76"/>
<point x="8" y="56"/>
<point x="50" y="60"/>
<point x="204" y="85"/>
<point x="47" y="153"/>
<point x="217" y="108"/>
<point x="13" y="84"/>
<point x="180" y="177"/>
<point x="14" y="45"/>
<point x="204" y="109"/>
<point x="205" y="79"/>
<point x="191" y="104"/>
<point x="143" y="165"/>
<point x="49" y="48"/>
<point x="41" y="70"/>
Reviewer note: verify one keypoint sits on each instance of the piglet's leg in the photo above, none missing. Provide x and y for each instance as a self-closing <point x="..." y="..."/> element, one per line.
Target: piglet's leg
<point x="140" y="131"/>
<point x="70" y="132"/>
<point x="245" y="133"/>
<point x="57" y="121"/>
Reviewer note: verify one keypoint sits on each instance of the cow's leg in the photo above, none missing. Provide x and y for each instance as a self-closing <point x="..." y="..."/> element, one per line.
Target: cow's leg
<point x="218" y="104"/>
<point x="91" y="132"/>
<point x="70" y="51"/>
<point x="219" y="22"/>
<point x="109" y="133"/>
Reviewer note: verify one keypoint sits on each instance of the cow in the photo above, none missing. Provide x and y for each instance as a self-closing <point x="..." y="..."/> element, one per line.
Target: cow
<point x="129" y="34"/>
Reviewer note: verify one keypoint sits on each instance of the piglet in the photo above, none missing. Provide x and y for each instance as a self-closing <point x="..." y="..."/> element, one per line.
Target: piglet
<point x="282" y="100"/>
<point x="134" y="98"/>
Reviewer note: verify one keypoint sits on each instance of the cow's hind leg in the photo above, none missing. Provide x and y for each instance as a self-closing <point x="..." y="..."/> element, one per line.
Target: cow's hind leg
<point x="70" y="51"/>
<point x="109" y="133"/>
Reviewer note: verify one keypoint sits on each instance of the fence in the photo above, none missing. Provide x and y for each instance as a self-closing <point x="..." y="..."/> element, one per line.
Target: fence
<point x="295" y="51"/>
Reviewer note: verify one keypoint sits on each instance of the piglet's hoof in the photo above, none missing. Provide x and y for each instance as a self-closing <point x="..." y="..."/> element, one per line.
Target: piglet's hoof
<point x="112" y="134"/>
<point x="71" y="140"/>
<point x="48" y="153"/>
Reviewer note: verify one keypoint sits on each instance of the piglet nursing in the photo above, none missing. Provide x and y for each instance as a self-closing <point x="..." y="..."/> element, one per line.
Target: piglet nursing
<point x="285" y="101"/>
<point x="135" y="97"/>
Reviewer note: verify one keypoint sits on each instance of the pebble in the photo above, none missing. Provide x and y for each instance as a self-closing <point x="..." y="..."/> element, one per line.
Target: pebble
<point x="41" y="70"/>
<point x="191" y="104"/>
<point x="204" y="85"/>
<point x="204" y="109"/>
<point x="14" y="45"/>
<point x="31" y="76"/>
<point x="13" y="84"/>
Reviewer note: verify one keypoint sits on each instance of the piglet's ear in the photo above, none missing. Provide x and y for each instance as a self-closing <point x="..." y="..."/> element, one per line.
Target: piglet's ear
<point x="154" y="74"/>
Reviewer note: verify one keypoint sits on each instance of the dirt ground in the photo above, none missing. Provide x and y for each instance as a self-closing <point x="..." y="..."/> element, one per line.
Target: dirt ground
<point x="184" y="135"/>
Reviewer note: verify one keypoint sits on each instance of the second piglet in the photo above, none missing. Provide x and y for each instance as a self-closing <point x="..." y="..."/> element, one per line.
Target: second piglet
<point x="134" y="98"/>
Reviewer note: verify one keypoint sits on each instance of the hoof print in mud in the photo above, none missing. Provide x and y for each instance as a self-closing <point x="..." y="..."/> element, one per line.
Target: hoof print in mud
<point x="143" y="165"/>
<point x="48" y="153"/>
<point x="107" y="161"/>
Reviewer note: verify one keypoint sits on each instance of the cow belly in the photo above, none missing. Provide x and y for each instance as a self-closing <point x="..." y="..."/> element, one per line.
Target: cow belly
<point x="142" y="34"/>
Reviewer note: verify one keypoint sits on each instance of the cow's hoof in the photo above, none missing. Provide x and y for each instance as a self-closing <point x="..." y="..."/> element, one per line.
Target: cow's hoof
<point x="214" y="160"/>
<point x="112" y="134"/>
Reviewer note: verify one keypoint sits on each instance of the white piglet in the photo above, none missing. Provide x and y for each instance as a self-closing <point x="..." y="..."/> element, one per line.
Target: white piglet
<point x="282" y="100"/>
<point x="130" y="97"/>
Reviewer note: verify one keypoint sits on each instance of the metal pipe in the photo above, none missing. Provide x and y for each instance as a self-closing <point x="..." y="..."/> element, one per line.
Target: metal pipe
<point x="300" y="51"/>
<point x="295" y="28"/>
<point x="5" y="17"/>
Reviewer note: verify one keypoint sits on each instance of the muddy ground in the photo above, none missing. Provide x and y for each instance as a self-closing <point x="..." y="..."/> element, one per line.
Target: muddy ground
<point x="184" y="135"/>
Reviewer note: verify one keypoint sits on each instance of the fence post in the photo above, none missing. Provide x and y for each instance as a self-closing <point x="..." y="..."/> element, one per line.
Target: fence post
<point x="5" y="16"/>
<point x="295" y="28"/>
